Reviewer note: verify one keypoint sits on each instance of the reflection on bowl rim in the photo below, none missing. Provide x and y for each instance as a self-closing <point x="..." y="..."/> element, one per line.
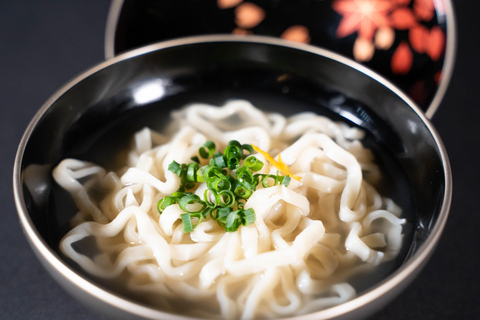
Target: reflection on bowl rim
<point x="448" y="61"/>
<point x="51" y="259"/>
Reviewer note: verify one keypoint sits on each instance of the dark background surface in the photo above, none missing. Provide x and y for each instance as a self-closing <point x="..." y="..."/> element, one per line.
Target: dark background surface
<point x="44" y="44"/>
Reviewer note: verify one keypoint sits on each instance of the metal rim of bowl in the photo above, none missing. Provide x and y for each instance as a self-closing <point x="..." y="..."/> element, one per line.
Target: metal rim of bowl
<point x="447" y="70"/>
<point x="49" y="256"/>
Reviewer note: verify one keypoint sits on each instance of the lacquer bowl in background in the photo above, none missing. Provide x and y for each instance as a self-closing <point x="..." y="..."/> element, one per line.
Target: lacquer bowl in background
<point x="140" y="87"/>
<point x="410" y="42"/>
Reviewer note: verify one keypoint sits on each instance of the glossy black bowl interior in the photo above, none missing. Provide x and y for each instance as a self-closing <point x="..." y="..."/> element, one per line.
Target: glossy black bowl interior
<point x="84" y="118"/>
<point x="133" y="24"/>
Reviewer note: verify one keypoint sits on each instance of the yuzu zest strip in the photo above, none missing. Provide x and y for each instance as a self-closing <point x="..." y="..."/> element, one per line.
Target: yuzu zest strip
<point x="280" y="165"/>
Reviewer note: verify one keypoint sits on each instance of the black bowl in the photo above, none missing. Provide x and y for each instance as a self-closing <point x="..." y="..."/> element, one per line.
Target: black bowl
<point x="411" y="43"/>
<point x="141" y="87"/>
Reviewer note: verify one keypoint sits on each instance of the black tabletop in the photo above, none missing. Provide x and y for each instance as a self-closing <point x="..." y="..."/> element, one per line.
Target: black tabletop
<point x="43" y="44"/>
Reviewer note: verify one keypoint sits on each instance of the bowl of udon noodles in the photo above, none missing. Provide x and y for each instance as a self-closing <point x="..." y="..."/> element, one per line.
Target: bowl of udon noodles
<point x="225" y="177"/>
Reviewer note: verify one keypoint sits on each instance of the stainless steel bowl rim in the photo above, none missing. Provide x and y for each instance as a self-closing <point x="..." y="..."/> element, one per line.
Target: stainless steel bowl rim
<point x="37" y="242"/>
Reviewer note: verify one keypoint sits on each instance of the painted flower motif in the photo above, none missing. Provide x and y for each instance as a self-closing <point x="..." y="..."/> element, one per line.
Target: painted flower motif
<point x="418" y="38"/>
<point x="363" y="49"/>
<point x="431" y="42"/>
<point x="375" y="23"/>
<point x="362" y="16"/>
<point x="225" y="4"/>
<point x="402" y="59"/>
<point x="248" y="15"/>
<point x="424" y="9"/>
<point x="436" y="43"/>
<point x="402" y="19"/>
<point x="384" y="38"/>
<point x="296" y="33"/>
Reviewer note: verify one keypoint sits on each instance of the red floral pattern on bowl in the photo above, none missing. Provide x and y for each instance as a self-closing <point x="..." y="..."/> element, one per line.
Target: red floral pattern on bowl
<point x="406" y="41"/>
<point x="376" y="23"/>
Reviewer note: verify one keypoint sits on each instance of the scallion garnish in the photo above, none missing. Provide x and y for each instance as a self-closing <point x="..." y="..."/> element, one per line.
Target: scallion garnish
<point x="175" y="167"/>
<point x="253" y="163"/>
<point x="187" y="222"/>
<point x="207" y="150"/>
<point x="230" y="181"/>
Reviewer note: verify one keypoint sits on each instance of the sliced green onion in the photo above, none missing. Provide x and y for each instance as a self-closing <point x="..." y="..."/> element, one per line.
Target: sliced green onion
<point x="232" y="180"/>
<point x="266" y="178"/>
<point x="167" y="201"/>
<point x="207" y="211"/>
<point x="208" y="200"/>
<point x="224" y="184"/>
<point x="211" y="171"/>
<point x="246" y="178"/>
<point x="195" y="159"/>
<point x="191" y="199"/>
<point x="232" y="222"/>
<point x="249" y="148"/>
<point x="222" y="213"/>
<point x="233" y="163"/>
<point x="175" y="167"/>
<point x="178" y="194"/>
<point x="241" y="203"/>
<point x="159" y="206"/>
<point x="207" y="150"/>
<point x="233" y="154"/>
<point x="187" y="222"/>
<point x="200" y="177"/>
<point x="218" y="160"/>
<point x="188" y="184"/>
<point x="241" y="191"/>
<point x="192" y="171"/>
<point x="248" y="216"/>
<point x="199" y="216"/>
<point x="227" y="198"/>
<point x="286" y="181"/>
<point x="253" y="164"/>
<point x="234" y="143"/>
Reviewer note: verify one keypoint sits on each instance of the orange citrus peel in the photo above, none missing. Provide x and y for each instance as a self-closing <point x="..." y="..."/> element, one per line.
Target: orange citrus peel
<point x="280" y="165"/>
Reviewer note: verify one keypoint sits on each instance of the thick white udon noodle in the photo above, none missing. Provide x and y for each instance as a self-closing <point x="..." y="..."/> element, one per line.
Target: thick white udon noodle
<point x="307" y="241"/>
